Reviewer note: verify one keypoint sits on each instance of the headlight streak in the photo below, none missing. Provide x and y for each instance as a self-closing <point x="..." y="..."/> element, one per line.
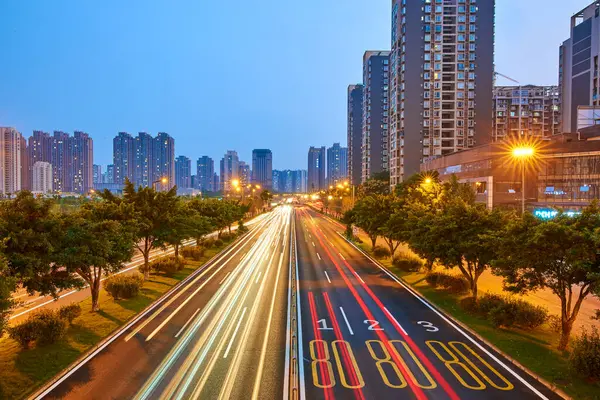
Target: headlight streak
<point x="234" y="292"/>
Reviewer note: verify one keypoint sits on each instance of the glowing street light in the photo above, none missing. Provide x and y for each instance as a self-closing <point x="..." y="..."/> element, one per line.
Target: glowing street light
<point x="523" y="154"/>
<point x="162" y="180"/>
<point x="428" y="181"/>
<point x="235" y="183"/>
<point x="329" y="197"/>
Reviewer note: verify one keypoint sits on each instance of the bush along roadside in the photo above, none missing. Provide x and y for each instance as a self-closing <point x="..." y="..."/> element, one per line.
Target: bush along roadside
<point x="44" y="327"/>
<point x="124" y="286"/>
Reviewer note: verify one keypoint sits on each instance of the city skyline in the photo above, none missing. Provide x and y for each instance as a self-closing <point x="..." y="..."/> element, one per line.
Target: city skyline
<point x="121" y="100"/>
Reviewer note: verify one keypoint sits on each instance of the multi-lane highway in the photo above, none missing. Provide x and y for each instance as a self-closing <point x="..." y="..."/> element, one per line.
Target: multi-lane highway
<point x="293" y="310"/>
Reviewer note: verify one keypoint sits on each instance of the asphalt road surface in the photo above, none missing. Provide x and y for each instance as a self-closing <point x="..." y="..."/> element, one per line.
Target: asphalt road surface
<point x="293" y="311"/>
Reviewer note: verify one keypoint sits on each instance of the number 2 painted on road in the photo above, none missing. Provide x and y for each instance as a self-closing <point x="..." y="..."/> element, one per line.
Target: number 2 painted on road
<point x="429" y="327"/>
<point x="323" y="325"/>
<point x="374" y="325"/>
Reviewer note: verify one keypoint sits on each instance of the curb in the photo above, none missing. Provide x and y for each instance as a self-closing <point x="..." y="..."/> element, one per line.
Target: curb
<point x="532" y="374"/>
<point x="115" y="334"/>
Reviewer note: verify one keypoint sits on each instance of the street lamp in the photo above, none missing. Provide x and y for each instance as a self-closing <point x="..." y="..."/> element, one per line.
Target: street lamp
<point x="523" y="154"/>
<point x="162" y="180"/>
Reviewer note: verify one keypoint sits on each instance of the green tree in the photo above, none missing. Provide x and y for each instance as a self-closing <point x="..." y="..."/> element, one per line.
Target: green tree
<point x="95" y="242"/>
<point x="8" y="285"/>
<point x="153" y="212"/>
<point x="266" y="198"/>
<point x="369" y="217"/>
<point x="561" y="255"/>
<point x="30" y="230"/>
<point x="378" y="183"/>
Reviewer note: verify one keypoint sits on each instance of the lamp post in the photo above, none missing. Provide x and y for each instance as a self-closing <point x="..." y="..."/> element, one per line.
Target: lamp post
<point x="523" y="154"/>
<point x="162" y="180"/>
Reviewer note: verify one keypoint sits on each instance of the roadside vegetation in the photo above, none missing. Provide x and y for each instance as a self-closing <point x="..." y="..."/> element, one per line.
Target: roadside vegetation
<point x="46" y="249"/>
<point x="449" y="241"/>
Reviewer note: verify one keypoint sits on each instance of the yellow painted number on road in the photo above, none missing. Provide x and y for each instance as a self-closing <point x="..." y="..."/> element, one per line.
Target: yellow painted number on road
<point x="431" y="383"/>
<point x="340" y="368"/>
<point x="507" y="385"/>
<point x="385" y="360"/>
<point x="324" y="361"/>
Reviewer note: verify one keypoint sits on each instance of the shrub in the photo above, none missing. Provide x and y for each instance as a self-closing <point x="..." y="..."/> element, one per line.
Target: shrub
<point x="555" y="323"/>
<point x="381" y="252"/>
<point x="143" y="269"/>
<point x="407" y="262"/>
<point x="167" y="265"/>
<point x="44" y="327"/>
<point x="242" y="228"/>
<point x="226" y="237"/>
<point x="208" y="243"/>
<point x="194" y="253"/>
<point x="508" y="312"/>
<point x="24" y="333"/>
<point x="70" y="312"/>
<point x="452" y="283"/>
<point x="123" y="286"/>
<point x="585" y="354"/>
<point x="218" y="243"/>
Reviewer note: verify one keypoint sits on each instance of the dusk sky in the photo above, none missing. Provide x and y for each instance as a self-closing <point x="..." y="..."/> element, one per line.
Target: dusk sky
<point x="220" y="75"/>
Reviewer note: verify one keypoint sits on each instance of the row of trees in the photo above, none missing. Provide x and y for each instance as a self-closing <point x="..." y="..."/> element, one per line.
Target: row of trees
<point x="442" y="224"/>
<point x="46" y="250"/>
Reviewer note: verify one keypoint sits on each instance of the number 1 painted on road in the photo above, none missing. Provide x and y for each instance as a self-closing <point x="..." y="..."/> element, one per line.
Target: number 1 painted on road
<point x="323" y="325"/>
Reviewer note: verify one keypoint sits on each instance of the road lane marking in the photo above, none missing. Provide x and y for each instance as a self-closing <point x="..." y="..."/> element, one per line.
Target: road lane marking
<point x="223" y="280"/>
<point x="234" y="333"/>
<point x="187" y="323"/>
<point x="358" y="276"/>
<point x="347" y="322"/>
<point x="342" y="256"/>
<point x="327" y="276"/>
<point x="313" y="243"/>
<point x="452" y="324"/>
<point x="299" y="322"/>
<point x="258" y="277"/>
<point x="318" y="256"/>
<point x="395" y="320"/>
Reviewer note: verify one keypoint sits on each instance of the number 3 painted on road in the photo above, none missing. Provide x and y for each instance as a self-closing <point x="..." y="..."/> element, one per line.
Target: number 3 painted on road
<point x="429" y="327"/>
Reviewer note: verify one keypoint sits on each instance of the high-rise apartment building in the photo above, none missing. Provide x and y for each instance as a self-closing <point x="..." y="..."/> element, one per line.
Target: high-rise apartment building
<point x="98" y="176"/>
<point x="164" y="159"/>
<point x="39" y="149"/>
<point x="526" y="111"/>
<point x="262" y="168"/>
<point x="82" y="156"/>
<point x="579" y="68"/>
<point x="109" y="174"/>
<point x="316" y="169"/>
<point x="25" y="176"/>
<point x="216" y="182"/>
<point x="375" y="127"/>
<point x="205" y="169"/>
<point x="355" y="120"/>
<point x="183" y="172"/>
<point x="288" y="181"/>
<point x="337" y="164"/>
<point x="62" y="162"/>
<point x="11" y="142"/>
<point x="244" y="174"/>
<point x="124" y="161"/>
<point x="42" y="177"/>
<point x="441" y="80"/>
<point x="145" y="161"/>
<point x="229" y="170"/>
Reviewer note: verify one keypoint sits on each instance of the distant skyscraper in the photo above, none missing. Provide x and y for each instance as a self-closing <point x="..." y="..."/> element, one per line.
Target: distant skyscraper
<point x="205" y="169"/>
<point x="578" y="74"/>
<point x="40" y="149"/>
<point x="25" y="176"/>
<point x="355" y="119"/>
<point x="110" y="173"/>
<point x="375" y="125"/>
<point x="442" y="65"/>
<point x="316" y="169"/>
<point x="229" y="170"/>
<point x="216" y="182"/>
<point x="262" y="168"/>
<point x="42" y="177"/>
<point x="145" y="167"/>
<point x="183" y="172"/>
<point x="337" y="164"/>
<point x="123" y="158"/>
<point x="244" y="173"/>
<point x="62" y="162"/>
<point x="82" y="148"/>
<point x="164" y="155"/>
<point x="275" y="181"/>
<point x="98" y="176"/>
<point x="10" y="160"/>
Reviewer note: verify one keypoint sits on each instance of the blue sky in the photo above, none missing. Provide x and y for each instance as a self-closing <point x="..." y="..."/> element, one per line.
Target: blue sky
<point x="221" y="75"/>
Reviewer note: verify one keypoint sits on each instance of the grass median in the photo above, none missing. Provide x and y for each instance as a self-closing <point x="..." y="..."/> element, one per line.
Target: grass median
<point x="535" y="349"/>
<point x="22" y="371"/>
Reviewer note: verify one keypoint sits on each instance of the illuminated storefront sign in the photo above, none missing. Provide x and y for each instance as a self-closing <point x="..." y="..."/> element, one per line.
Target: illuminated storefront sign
<point x="548" y="213"/>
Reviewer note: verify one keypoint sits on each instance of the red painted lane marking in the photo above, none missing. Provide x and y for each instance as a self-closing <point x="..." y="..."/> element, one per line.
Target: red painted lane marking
<point x="320" y="352"/>
<point x="428" y="364"/>
<point x="338" y="334"/>
<point x="382" y="337"/>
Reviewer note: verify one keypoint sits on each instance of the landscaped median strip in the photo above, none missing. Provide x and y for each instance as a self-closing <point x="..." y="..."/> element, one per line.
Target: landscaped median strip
<point x="22" y="377"/>
<point x="461" y="328"/>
